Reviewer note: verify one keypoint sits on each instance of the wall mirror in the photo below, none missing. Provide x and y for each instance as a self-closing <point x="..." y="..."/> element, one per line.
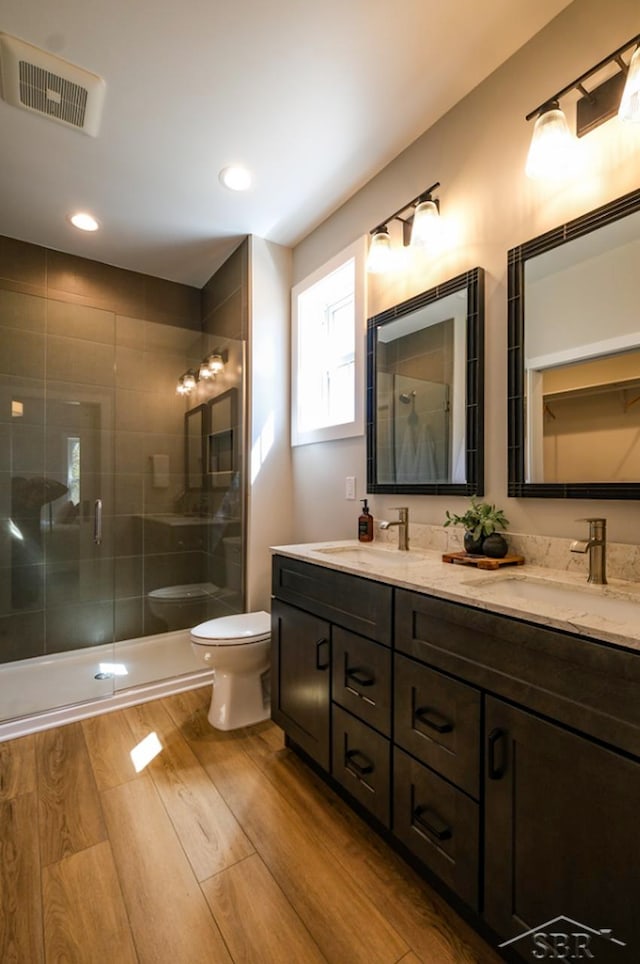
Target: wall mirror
<point x="223" y="438"/>
<point x="194" y="447"/>
<point x="574" y="358"/>
<point x="425" y="392"/>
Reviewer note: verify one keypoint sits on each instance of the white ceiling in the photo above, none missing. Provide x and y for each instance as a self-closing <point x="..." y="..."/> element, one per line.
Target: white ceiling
<point x="314" y="96"/>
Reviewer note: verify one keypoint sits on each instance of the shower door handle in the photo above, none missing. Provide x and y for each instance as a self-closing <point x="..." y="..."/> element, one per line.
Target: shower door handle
<point x="97" y="522"/>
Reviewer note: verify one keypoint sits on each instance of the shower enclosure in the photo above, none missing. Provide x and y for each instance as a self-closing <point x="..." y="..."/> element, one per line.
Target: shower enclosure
<point x="413" y="429"/>
<point x="121" y="512"/>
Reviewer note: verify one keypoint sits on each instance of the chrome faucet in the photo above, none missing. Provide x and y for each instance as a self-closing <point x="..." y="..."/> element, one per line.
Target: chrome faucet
<point x="596" y="546"/>
<point x="403" y="527"/>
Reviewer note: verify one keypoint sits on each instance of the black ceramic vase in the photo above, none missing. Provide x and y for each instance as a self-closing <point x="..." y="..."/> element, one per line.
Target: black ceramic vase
<point x="495" y="546"/>
<point x="471" y="545"/>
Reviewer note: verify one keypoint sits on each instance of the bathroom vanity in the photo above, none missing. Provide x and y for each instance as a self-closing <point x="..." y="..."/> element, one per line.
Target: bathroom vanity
<point x="495" y="742"/>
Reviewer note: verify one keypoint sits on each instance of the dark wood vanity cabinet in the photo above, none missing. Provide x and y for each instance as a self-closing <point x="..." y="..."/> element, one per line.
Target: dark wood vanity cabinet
<point x="300" y="678"/>
<point x="561" y="833"/>
<point x="505" y="756"/>
<point x="318" y="616"/>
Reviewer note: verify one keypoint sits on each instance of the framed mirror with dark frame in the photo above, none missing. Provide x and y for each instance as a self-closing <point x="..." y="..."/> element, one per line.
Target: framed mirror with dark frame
<point x="574" y="358"/>
<point x="195" y="434"/>
<point x="223" y="435"/>
<point x="425" y="392"/>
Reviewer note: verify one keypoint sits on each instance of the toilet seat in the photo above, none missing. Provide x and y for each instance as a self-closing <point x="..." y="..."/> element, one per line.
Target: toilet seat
<point x="196" y="590"/>
<point x="237" y="630"/>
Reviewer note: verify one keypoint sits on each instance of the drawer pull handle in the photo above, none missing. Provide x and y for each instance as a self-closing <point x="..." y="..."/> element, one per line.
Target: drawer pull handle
<point x="496" y="772"/>
<point x="433" y="720"/>
<point x="428" y="820"/>
<point x="319" y="645"/>
<point x="357" y="763"/>
<point x="361" y="677"/>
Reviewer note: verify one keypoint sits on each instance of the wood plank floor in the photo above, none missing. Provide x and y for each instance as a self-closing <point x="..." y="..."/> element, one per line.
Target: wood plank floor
<point x="223" y="847"/>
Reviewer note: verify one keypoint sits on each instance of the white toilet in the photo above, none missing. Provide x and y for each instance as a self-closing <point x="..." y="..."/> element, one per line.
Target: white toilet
<point x="237" y="649"/>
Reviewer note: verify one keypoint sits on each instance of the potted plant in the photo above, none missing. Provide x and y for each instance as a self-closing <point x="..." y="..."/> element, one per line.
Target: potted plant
<point x="481" y="522"/>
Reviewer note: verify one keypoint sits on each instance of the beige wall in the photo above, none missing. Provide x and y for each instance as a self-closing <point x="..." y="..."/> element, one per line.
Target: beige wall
<point x="270" y="497"/>
<point x="477" y="151"/>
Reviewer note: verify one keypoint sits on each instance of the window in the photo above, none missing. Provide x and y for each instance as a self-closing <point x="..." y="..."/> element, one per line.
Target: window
<point x="328" y="334"/>
<point x="73" y="470"/>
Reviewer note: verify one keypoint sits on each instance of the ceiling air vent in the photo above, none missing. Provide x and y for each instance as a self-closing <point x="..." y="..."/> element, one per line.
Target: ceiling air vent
<point x="41" y="82"/>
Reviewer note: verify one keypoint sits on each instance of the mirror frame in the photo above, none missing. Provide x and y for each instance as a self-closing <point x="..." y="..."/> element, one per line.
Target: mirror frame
<point x="473" y="282"/>
<point x="191" y="413"/>
<point x="518" y="487"/>
<point x="230" y="395"/>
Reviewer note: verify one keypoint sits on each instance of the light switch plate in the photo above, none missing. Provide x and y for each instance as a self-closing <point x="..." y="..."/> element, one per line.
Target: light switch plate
<point x="350" y="487"/>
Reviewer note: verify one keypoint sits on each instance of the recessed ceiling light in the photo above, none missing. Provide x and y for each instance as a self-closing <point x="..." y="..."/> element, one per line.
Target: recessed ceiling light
<point x="236" y="178"/>
<point x="84" y="221"/>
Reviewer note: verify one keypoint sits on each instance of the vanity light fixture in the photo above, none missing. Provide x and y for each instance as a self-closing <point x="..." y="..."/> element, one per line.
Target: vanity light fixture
<point x="420" y="219"/>
<point x="553" y="150"/>
<point x="209" y="367"/>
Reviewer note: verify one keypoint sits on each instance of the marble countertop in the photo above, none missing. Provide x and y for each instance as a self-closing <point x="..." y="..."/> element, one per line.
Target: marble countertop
<point x="557" y="599"/>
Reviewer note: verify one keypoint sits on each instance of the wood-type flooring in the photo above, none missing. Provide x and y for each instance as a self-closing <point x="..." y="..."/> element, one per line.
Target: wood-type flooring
<point x="224" y="847"/>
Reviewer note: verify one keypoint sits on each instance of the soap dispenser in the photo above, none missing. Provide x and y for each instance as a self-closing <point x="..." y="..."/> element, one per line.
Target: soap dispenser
<point x="365" y="523"/>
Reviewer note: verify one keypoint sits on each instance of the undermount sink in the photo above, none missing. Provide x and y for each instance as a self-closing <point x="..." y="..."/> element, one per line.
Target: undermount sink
<point x="365" y="556"/>
<point x="575" y="600"/>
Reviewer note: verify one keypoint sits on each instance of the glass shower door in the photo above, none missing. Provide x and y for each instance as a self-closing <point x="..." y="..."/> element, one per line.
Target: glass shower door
<point x="56" y="485"/>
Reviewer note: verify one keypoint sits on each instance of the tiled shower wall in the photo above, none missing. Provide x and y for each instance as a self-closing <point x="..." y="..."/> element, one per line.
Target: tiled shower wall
<point x="92" y="351"/>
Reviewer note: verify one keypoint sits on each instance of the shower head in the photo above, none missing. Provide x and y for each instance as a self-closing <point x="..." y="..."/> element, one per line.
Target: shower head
<point x="405" y="397"/>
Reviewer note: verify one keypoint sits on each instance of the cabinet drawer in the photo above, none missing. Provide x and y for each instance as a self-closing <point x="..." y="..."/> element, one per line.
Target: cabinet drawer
<point x="362" y="678"/>
<point x="361" y="605"/>
<point x="437" y="719"/>
<point x="588" y="685"/>
<point x="437" y="823"/>
<point x="361" y="763"/>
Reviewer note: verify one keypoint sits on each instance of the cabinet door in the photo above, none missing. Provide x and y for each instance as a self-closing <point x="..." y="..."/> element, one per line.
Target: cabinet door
<point x="561" y="837"/>
<point x="300" y="678"/>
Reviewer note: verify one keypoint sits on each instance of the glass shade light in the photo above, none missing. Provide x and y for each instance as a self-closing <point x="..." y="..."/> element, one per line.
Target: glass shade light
<point x="205" y="371"/>
<point x="553" y="150"/>
<point x="187" y="382"/>
<point x="630" y="104"/>
<point x="216" y="364"/>
<point x="426" y="224"/>
<point x="380" y="257"/>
